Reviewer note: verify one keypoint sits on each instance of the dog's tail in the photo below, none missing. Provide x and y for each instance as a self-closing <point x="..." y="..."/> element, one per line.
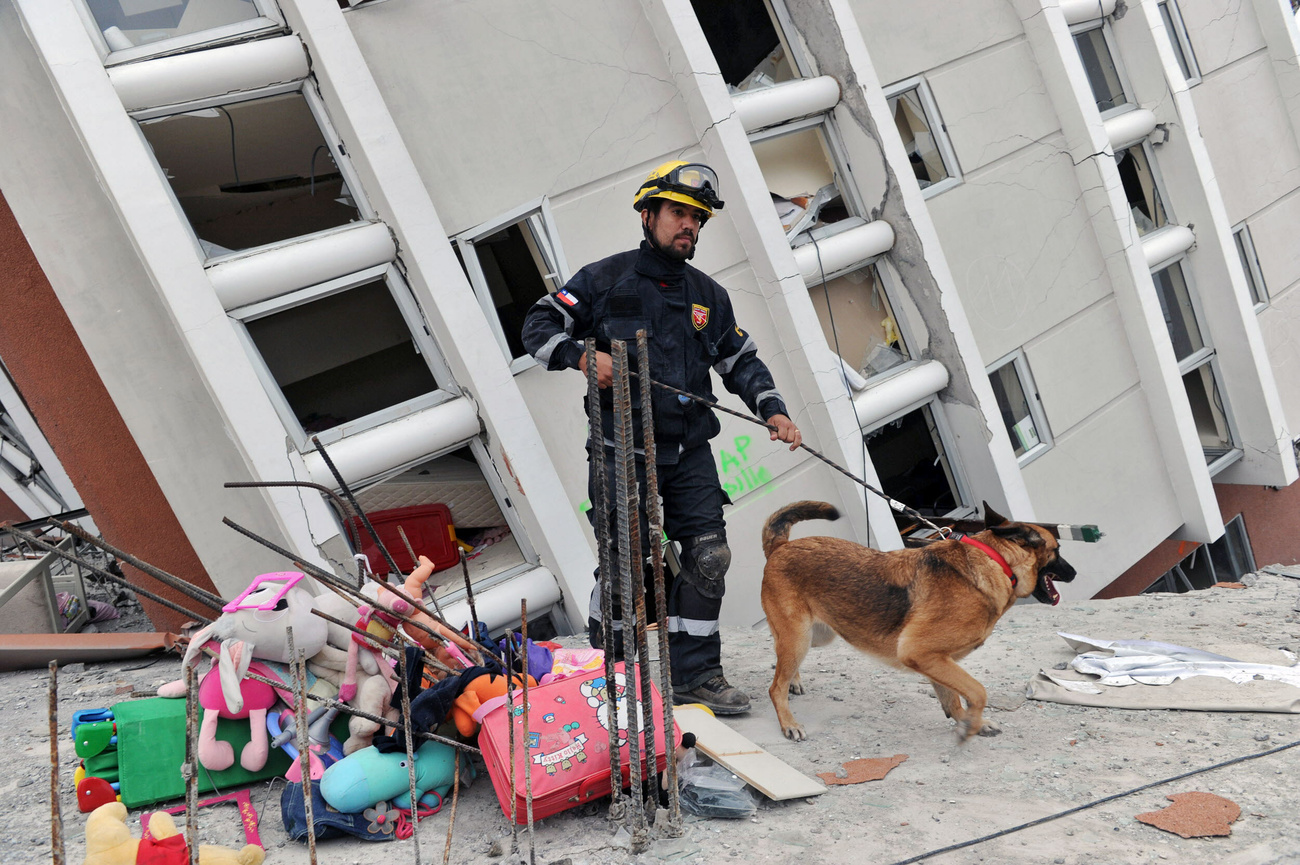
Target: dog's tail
<point x="777" y="530"/>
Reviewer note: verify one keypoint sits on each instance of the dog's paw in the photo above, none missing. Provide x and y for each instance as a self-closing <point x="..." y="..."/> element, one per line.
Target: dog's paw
<point x="990" y="729"/>
<point x="794" y="732"/>
<point x="796" y="687"/>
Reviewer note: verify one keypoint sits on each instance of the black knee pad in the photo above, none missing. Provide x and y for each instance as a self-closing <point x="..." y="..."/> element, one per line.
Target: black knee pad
<point x="705" y="560"/>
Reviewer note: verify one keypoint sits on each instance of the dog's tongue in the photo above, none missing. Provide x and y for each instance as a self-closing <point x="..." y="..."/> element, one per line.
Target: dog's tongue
<point x="1051" y="590"/>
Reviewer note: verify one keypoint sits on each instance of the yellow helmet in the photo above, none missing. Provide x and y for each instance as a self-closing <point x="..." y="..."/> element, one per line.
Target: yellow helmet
<point x="690" y="183"/>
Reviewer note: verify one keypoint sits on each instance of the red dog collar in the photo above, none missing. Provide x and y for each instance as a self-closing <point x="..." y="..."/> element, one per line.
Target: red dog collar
<point x="993" y="554"/>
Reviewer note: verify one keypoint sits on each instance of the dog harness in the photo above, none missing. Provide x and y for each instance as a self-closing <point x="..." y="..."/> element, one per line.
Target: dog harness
<point x="993" y="554"/>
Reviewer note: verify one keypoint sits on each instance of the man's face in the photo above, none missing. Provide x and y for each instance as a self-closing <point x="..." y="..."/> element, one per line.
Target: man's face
<point x="675" y="228"/>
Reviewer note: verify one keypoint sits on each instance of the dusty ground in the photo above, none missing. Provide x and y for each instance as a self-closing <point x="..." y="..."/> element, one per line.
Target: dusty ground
<point x="1048" y="759"/>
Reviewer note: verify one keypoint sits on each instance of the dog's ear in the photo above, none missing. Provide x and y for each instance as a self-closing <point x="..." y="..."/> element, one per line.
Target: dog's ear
<point x="992" y="518"/>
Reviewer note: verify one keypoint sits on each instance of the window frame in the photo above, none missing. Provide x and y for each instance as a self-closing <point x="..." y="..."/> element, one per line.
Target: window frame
<point x="1108" y="36"/>
<point x="1245" y="245"/>
<point x="1019" y="361"/>
<point x="1181" y="41"/>
<point x="1234" y="530"/>
<point x="944" y="432"/>
<point x="539" y="209"/>
<point x="316" y="105"/>
<point x="1207" y="354"/>
<point x="420" y="335"/>
<point x="1148" y="151"/>
<point x="938" y="129"/>
<point x="267" y="21"/>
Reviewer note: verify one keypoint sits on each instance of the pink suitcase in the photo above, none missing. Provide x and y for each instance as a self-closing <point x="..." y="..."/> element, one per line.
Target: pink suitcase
<point x="568" y="754"/>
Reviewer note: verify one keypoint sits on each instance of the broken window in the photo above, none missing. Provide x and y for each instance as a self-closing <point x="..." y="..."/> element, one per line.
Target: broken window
<point x="1141" y="187"/>
<point x="1196" y="364"/>
<point x="912" y="465"/>
<point x="924" y="138"/>
<point x="511" y="263"/>
<point x="480" y="525"/>
<point x="1223" y="561"/>
<point x="1173" y="20"/>
<point x="1094" y="44"/>
<point x="345" y="355"/>
<point x="858" y="321"/>
<point x="799" y="165"/>
<point x="132" y="29"/>
<point x="1250" y="264"/>
<point x="746" y="41"/>
<point x="253" y="172"/>
<point x="1018" y="403"/>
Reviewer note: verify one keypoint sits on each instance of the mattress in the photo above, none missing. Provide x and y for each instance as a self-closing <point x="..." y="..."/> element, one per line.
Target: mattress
<point x="453" y="482"/>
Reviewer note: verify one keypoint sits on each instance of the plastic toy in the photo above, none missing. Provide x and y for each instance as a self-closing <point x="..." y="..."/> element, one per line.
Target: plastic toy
<point x="109" y="842"/>
<point x="252" y="631"/>
<point x="459" y="653"/>
<point x="478" y="692"/>
<point x="323" y="750"/>
<point x="367" y="776"/>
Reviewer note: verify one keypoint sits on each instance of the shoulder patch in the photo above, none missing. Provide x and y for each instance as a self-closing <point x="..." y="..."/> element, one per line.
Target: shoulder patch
<point x="566" y="298"/>
<point x="699" y="316"/>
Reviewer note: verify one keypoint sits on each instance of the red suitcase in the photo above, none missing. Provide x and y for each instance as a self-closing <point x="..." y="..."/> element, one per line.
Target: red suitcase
<point x="569" y="750"/>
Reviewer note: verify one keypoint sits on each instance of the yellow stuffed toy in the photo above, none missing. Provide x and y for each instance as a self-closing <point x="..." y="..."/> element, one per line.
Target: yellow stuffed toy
<point x="109" y="842"/>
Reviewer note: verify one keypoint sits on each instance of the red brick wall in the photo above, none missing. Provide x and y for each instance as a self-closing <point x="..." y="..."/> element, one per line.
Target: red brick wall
<point x="9" y="510"/>
<point x="69" y="401"/>
<point x="1272" y="519"/>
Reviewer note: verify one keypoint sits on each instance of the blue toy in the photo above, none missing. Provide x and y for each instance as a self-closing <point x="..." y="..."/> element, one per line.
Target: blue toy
<point x="366" y="777"/>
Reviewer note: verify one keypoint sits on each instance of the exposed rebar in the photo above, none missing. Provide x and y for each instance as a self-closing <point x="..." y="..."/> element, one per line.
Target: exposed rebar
<point x="100" y="572"/>
<point x="345" y="509"/>
<point x="451" y="821"/>
<point x="352" y="500"/>
<point x="56" y="810"/>
<point x="654" y="519"/>
<point x="528" y="763"/>
<point x="298" y="674"/>
<point x="510" y="738"/>
<point x="185" y="587"/>
<point x="469" y="597"/>
<point x="629" y="560"/>
<point x="405" y="671"/>
<point x="190" y="770"/>
<point x="605" y="574"/>
<point x="387" y="647"/>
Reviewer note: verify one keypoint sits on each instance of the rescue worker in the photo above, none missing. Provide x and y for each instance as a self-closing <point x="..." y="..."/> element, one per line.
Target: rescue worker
<point x="691" y="329"/>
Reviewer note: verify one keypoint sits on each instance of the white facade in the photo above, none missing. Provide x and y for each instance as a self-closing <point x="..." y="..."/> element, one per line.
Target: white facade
<point x="977" y="222"/>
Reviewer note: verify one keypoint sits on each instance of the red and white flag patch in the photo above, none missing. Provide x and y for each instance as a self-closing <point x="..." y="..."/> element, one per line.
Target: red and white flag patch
<point x="566" y="298"/>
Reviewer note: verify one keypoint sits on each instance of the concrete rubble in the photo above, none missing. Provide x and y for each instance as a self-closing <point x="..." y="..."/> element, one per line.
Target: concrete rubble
<point x="1049" y="758"/>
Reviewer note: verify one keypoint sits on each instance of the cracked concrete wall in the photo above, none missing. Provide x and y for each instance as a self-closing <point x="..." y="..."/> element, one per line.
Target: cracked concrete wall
<point x="503" y="101"/>
<point x="99" y="278"/>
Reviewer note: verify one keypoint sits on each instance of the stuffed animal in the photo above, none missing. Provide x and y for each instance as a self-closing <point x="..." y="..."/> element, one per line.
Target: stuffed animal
<point x="462" y="653"/>
<point x="368" y="776"/>
<point x="478" y="692"/>
<point x="255" y="626"/>
<point x="363" y="675"/>
<point x="109" y="842"/>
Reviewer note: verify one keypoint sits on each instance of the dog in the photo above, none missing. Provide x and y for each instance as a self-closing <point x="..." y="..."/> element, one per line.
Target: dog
<point x="919" y="609"/>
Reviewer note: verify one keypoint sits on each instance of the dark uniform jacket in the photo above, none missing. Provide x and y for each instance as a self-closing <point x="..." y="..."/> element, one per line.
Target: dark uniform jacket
<point x="691" y="328"/>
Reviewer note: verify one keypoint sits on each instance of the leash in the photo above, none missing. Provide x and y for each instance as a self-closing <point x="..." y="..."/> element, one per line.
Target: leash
<point x="894" y="504"/>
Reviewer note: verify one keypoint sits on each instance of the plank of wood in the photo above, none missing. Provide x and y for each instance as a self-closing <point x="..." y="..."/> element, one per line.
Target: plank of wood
<point x="770" y="775"/>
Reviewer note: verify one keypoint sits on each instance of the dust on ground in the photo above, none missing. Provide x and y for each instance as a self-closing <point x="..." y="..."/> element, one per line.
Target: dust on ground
<point x="1049" y="758"/>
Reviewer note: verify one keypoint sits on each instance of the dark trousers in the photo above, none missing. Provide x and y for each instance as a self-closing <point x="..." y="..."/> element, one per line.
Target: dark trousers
<point x="692" y="506"/>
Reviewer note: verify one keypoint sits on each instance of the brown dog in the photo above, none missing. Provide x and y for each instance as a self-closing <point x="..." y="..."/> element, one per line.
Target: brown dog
<point x="918" y="609"/>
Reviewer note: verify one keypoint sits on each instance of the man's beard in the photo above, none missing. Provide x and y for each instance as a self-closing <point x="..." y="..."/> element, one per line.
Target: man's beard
<point x="673" y="252"/>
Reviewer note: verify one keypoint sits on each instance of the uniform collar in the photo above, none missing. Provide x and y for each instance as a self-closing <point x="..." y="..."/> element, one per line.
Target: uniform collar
<point x="654" y="264"/>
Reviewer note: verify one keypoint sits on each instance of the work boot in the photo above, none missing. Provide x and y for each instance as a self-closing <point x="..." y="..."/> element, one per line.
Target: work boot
<point x="717" y="694"/>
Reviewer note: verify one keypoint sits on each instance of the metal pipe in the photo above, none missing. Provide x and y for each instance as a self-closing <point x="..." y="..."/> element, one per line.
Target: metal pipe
<point x="204" y="597"/>
<point x="100" y="572"/>
<point x="605" y="575"/>
<point x="347" y="494"/>
<point x="56" y="810"/>
<point x="528" y="765"/>
<point x="629" y="559"/>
